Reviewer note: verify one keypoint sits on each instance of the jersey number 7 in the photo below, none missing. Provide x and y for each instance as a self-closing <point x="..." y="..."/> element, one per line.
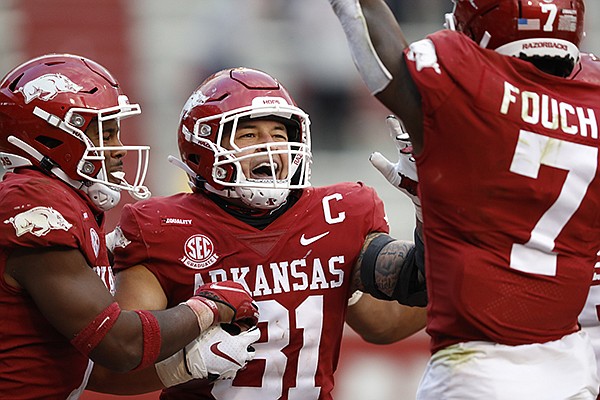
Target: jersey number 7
<point x="534" y="150"/>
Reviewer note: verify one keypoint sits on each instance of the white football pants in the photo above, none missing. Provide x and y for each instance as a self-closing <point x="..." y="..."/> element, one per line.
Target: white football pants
<point x="559" y="370"/>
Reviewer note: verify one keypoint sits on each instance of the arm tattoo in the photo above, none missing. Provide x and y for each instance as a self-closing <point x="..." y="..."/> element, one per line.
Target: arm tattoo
<point x="388" y="264"/>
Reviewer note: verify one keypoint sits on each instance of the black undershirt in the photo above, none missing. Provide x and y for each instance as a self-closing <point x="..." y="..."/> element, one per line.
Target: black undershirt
<point x="257" y="218"/>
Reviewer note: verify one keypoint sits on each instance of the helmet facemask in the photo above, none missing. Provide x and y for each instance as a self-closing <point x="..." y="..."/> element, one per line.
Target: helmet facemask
<point x="97" y="153"/>
<point x="49" y="105"/>
<point x="274" y="168"/>
<point x="103" y="190"/>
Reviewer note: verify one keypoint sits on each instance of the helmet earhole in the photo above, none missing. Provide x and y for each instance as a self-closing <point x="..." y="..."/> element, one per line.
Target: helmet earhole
<point x="204" y="130"/>
<point x="77" y="120"/>
<point x="220" y="173"/>
<point x="88" y="168"/>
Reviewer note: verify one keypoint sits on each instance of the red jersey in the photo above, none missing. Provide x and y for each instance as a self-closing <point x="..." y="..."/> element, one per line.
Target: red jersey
<point x="588" y="69"/>
<point x="36" y="361"/>
<point x="298" y="269"/>
<point x="589" y="319"/>
<point x="510" y="192"/>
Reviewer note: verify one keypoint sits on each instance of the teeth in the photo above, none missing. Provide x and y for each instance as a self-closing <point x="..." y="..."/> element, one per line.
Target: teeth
<point x="266" y="165"/>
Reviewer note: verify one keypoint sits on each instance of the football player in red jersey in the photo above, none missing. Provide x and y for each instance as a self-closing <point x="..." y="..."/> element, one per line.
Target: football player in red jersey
<point x="589" y="70"/>
<point x="60" y="143"/>
<point x="253" y="218"/>
<point x="507" y="153"/>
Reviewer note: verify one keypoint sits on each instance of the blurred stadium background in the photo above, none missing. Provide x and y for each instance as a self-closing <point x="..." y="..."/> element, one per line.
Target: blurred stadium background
<point x="161" y="50"/>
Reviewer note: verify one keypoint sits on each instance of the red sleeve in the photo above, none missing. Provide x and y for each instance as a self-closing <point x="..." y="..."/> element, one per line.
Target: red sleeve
<point x="451" y="65"/>
<point x="130" y="247"/>
<point x="40" y="216"/>
<point x="379" y="218"/>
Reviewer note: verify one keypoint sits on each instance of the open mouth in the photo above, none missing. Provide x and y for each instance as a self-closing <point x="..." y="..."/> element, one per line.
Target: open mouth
<point x="264" y="171"/>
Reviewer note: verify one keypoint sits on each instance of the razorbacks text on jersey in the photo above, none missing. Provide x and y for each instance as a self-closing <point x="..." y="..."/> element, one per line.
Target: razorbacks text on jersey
<point x="40" y="211"/>
<point x="298" y="270"/>
<point x="509" y="185"/>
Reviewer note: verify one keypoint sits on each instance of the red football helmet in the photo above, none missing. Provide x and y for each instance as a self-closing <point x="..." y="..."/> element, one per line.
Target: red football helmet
<point x="529" y="27"/>
<point x="46" y="105"/>
<point x="210" y="117"/>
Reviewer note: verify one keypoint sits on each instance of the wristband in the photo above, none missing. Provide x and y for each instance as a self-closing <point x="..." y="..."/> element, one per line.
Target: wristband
<point x="173" y="370"/>
<point x="152" y="339"/>
<point x="88" y="338"/>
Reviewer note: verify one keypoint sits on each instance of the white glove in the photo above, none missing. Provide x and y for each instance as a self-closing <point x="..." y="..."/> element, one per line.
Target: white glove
<point x="215" y="354"/>
<point x="403" y="174"/>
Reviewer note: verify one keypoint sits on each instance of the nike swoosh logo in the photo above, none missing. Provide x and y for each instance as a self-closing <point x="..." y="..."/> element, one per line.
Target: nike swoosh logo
<point x="304" y="241"/>
<point x="216" y="351"/>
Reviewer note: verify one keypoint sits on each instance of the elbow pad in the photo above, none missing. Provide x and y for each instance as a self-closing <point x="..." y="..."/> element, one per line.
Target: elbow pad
<point x="372" y="70"/>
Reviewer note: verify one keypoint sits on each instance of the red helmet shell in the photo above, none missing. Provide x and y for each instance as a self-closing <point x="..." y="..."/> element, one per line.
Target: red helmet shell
<point x="507" y="21"/>
<point x="54" y="83"/>
<point x="226" y="92"/>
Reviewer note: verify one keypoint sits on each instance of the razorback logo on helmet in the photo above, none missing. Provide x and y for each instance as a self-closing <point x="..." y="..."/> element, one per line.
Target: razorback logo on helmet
<point x="38" y="221"/>
<point x="46" y="87"/>
<point x="196" y="99"/>
<point x="199" y="252"/>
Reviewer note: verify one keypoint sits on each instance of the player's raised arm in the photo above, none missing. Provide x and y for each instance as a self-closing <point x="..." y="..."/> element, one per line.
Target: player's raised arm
<point x="377" y="44"/>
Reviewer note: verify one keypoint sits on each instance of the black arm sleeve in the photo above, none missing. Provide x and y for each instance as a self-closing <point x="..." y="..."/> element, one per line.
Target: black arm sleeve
<point x="367" y="270"/>
<point x="420" y="253"/>
<point x="410" y="288"/>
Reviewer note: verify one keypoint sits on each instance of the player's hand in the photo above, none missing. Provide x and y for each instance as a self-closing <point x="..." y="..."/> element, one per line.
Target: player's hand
<point x="234" y="297"/>
<point x="403" y="174"/>
<point x="217" y="353"/>
<point x="230" y="350"/>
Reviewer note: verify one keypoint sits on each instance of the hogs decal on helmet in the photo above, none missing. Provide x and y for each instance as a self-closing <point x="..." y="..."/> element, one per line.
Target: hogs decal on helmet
<point x="46" y="106"/>
<point x="207" y="130"/>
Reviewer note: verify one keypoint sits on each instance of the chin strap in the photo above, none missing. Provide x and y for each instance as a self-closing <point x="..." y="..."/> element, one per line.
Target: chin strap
<point x="101" y="195"/>
<point x="262" y="198"/>
<point x="191" y="174"/>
